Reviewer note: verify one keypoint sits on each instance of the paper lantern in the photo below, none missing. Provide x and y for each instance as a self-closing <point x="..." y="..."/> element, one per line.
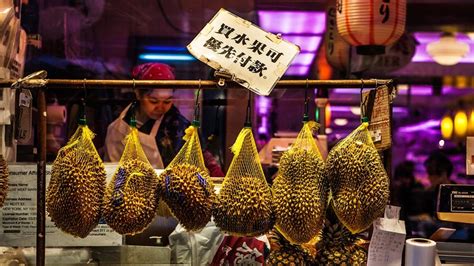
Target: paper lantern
<point x="337" y="50"/>
<point x="371" y="25"/>
<point x="327" y="115"/>
<point x="470" y="124"/>
<point x="460" y="124"/>
<point x="448" y="50"/>
<point x="396" y="56"/>
<point x="447" y="127"/>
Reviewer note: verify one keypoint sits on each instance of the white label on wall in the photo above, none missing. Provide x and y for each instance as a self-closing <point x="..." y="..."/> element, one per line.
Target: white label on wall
<point x="18" y="216"/>
<point x="255" y="57"/>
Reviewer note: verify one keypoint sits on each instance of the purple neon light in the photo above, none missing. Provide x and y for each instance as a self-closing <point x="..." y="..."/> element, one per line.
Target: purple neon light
<point x="263" y="128"/>
<point x="420" y="126"/>
<point x="263" y="105"/>
<point x="303" y="28"/>
<point x="303" y="59"/>
<point x="297" y="70"/>
<point x="306" y="43"/>
<point x="293" y="22"/>
<point x="424" y="38"/>
<point x="347" y="109"/>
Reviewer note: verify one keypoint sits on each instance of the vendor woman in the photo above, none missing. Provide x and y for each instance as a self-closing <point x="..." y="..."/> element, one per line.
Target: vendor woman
<point x="160" y="124"/>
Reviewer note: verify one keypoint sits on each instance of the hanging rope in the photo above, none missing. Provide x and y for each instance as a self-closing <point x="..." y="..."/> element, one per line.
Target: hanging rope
<point x="248" y="115"/>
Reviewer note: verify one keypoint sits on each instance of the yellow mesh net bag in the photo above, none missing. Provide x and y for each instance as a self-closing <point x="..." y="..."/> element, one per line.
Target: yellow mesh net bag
<point x="299" y="190"/>
<point x="358" y="181"/>
<point x="186" y="186"/>
<point x="3" y="180"/>
<point x="244" y="204"/>
<point x="131" y="198"/>
<point x="75" y="191"/>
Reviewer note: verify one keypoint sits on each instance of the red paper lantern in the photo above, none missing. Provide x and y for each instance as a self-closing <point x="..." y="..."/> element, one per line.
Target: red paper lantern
<point x="370" y="25"/>
<point x="337" y="50"/>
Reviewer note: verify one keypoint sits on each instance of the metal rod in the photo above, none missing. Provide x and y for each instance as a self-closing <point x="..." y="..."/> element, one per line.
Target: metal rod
<point x="191" y="84"/>
<point x="41" y="179"/>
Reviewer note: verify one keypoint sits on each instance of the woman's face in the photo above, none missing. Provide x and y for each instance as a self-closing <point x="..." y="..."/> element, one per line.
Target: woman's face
<point x="156" y="103"/>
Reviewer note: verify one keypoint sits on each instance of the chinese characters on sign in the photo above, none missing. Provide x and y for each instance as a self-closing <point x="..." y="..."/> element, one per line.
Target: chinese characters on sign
<point x="257" y="58"/>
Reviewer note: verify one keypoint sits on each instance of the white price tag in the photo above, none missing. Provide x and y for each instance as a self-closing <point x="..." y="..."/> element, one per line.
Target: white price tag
<point x="376" y="135"/>
<point x="25" y="99"/>
<point x="255" y="57"/>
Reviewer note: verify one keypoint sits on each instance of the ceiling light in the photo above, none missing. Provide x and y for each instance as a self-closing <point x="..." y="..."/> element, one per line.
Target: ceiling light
<point x="340" y="122"/>
<point x="441" y="143"/>
<point x="355" y="110"/>
<point x="328" y="130"/>
<point x="448" y="50"/>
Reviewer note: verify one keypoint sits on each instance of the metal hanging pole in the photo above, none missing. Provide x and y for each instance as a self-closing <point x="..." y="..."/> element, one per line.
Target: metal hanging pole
<point x="38" y="81"/>
<point x="41" y="179"/>
<point x="190" y="84"/>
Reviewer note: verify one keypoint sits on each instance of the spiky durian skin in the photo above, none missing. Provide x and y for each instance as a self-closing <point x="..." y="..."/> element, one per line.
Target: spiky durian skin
<point x="3" y="180"/>
<point x="299" y="195"/>
<point x="189" y="193"/>
<point x="244" y="207"/>
<point x="359" y="184"/>
<point x="131" y="198"/>
<point x="75" y="191"/>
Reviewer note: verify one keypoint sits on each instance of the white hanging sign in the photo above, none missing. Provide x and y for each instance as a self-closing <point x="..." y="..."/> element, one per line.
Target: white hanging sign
<point x="256" y="58"/>
<point x="18" y="216"/>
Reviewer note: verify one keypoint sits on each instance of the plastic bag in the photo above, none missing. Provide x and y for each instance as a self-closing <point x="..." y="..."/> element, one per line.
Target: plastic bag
<point x="244" y="204"/>
<point x="131" y="198"/>
<point x="75" y="191"/>
<point x="3" y="180"/>
<point x="299" y="190"/>
<point x="186" y="186"/>
<point x="358" y="181"/>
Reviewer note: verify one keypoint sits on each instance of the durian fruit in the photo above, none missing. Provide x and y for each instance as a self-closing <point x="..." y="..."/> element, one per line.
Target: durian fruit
<point x="244" y="207"/>
<point x="3" y="180"/>
<point x="338" y="246"/>
<point x="284" y="253"/>
<point x="358" y="181"/>
<point x="189" y="193"/>
<point x="131" y="198"/>
<point x="299" y="195"/>
<point x="75" y="191"/>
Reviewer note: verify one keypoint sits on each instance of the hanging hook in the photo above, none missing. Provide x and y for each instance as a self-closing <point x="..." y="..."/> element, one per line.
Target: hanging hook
<point x="82" y="107"/>
<point x="305" y="115"/>
<point x="196" y="121"/>
<point x="363" y="104"/>
<point x="133" y="84"/>
<point x="248" y="116"/>
<point x="84" y="88"/>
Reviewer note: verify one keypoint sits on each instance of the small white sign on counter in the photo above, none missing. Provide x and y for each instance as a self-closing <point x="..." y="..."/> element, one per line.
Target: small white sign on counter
<point x="18" y="216"/>
<point x="388" y="239"/>
<point x="258" y="59"/>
